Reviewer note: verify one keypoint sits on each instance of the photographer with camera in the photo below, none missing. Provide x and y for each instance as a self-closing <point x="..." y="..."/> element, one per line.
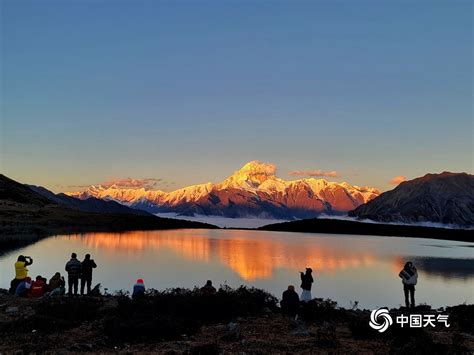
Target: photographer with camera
<point x="21" y="272"/>
<point x="306" y="283"/>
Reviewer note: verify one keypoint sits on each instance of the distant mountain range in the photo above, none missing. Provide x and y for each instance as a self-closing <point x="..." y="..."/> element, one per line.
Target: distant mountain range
<point x="446" y="198"/>
<point x="90" y="204"/>
<point x="35" y="210"/>
<point x="252" y="191"/>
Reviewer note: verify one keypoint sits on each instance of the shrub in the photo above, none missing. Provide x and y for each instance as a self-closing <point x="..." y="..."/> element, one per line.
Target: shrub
<point x="168" y="314"/>
<point x="318" y="310"/>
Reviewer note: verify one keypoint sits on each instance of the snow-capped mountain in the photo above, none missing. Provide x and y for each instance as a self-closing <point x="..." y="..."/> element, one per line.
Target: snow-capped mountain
<point x="253" y="191"/>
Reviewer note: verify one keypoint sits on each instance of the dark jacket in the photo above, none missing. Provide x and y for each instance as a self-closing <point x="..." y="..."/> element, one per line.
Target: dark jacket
<point x="138" y="291"/>
<point x="87" y="266"/>
<point x="55" y="282"/>
<point x="290" y="302"/>
<point x="208" y="290"/>
<point x="74" y="268"/>
<point x="306" y="281"/>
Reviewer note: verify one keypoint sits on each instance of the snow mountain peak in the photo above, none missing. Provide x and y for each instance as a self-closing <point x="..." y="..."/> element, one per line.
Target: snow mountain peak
<point x="252" y="191"/>
<point x="251" y="175"/>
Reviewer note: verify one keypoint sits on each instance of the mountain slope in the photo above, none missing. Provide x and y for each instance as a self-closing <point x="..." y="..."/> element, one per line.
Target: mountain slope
<point x="12" y="193"/>
<point x="23" y="210"/>
<point x="90" y="204"/>
<point x="441" y="198"/>
<point x="253" y="191"/>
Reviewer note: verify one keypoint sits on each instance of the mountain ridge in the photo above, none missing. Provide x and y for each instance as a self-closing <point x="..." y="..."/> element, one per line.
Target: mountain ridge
<point x="253" y="190"/>
<point x="90" y="204"/>
<point x="27" y="212"/>
<point x="446" y="198"/>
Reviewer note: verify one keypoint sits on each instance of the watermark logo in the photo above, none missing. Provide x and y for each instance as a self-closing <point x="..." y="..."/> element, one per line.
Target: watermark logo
<point x="380" y="319"/>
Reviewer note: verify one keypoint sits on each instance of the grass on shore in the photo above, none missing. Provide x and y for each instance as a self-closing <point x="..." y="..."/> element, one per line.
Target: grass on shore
<point x="242" y="319"/>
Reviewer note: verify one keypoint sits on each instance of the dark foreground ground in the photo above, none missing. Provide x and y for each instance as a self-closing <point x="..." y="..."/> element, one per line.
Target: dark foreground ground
<point x="232" y="321"/>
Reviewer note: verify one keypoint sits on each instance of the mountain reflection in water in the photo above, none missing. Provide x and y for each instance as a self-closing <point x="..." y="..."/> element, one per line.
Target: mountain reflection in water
<point x="346" y="268"/>
<point x="252" y="258"/>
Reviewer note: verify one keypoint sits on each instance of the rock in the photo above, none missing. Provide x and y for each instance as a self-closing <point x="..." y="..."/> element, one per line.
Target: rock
<point x="204" y="349"/>
<point x="232" y="327"/>
<point x="82" y="347"/>
<point x="300" y="328"/>
<point x="233" y="332"/>
<point x="11" y="310"/>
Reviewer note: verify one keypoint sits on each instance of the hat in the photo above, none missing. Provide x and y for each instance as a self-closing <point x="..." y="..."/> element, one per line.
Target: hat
<point x="139" y="281"/>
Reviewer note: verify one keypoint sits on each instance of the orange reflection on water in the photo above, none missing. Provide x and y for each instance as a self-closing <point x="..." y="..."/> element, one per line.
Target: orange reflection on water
<point x="397" y="263"/>
<point x="250" y="254"/>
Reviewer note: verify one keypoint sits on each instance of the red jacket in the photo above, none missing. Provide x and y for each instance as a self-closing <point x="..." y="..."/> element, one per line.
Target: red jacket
<point x="38" y="288"/>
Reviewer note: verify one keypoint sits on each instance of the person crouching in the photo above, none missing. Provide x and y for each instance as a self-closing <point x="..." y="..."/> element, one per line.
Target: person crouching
<point x="57" y="285"/>
<point x="38" y="287"/>
<point x="23" y="287"/>
<point x="290" y="302"/>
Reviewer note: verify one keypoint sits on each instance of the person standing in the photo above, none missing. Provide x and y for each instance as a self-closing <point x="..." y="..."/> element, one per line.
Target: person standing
<point x="306" y="283"/>
<point x="409" y="277"/>
<point x="87" y="265"/>
<point x="74" y="269"/>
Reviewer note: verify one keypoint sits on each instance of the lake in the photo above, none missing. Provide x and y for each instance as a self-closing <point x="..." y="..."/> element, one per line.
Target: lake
<point x="346" y="268"/>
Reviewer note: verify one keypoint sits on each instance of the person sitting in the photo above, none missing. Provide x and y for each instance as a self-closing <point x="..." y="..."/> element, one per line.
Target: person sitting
<point x="138" y="290"/>
<point x="57" y="285"/>
<point x="38" y="287"/>
<point x="21" y="272"/>
<point x="208" y="289"/>
<point x="23" y="287"/>
<point x="409" y="277"/>
<point x="95" y="292"/>
<point x="290" y="302"/>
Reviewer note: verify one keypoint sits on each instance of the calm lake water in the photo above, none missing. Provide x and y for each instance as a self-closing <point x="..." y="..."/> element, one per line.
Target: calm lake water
<point x="346" y="268"/>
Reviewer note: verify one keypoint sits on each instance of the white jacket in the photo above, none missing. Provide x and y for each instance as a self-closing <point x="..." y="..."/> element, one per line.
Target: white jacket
<point x="412" y="280"/>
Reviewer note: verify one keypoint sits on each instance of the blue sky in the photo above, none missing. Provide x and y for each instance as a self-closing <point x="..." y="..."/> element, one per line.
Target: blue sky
<point x="188" y="91"/>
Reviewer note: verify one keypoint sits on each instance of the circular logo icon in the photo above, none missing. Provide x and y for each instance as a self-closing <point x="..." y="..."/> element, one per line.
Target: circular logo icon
<point x="380" y="319"/>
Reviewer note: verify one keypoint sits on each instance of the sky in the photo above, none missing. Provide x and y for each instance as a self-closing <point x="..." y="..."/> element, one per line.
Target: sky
<point x="186" y="92"/>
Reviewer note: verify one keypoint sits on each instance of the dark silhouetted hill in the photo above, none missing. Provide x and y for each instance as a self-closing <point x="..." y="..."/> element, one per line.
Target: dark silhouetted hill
<point x="446" y="198"/>
<point x="25" y="211"/>
<point x="337" y="226"/>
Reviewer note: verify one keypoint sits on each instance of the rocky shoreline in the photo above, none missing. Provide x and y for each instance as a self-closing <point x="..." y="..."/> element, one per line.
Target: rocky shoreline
<point x="243" y="320"/>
